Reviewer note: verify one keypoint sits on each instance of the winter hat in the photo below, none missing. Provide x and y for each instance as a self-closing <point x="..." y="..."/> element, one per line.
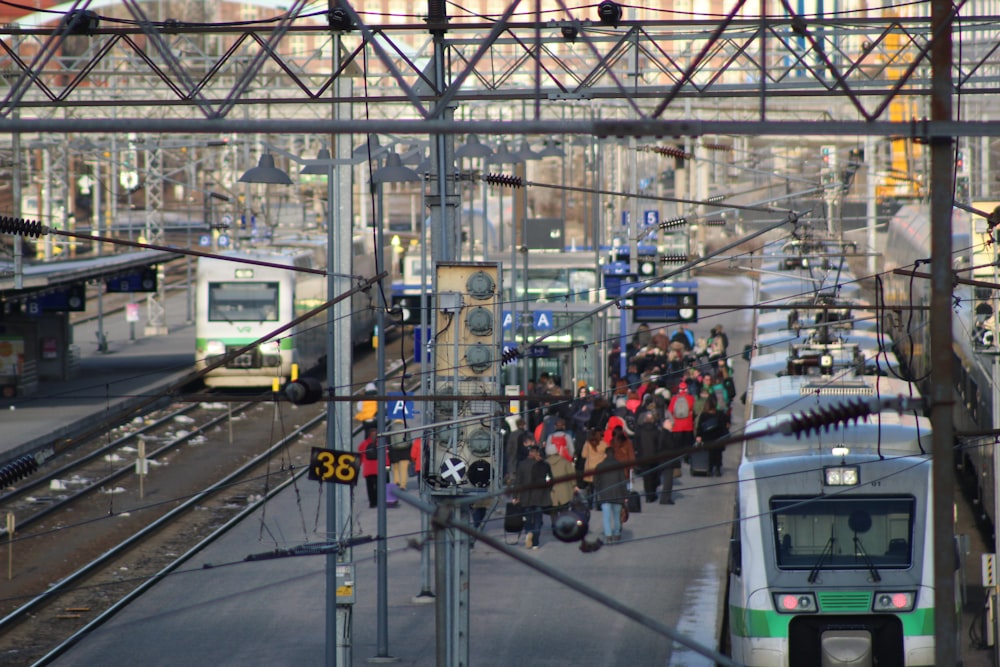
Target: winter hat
<point x="370" y="388"/>
<point x="683" y="389"/>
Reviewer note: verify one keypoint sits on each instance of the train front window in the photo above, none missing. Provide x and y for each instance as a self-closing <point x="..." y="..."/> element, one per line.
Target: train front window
<point x="243" y="302"/>
<point x="831" y="533"/>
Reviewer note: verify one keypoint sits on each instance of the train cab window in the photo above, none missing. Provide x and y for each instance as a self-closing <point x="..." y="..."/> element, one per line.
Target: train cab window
<point x="828" y="533"/>
<point x="243" y="302"/>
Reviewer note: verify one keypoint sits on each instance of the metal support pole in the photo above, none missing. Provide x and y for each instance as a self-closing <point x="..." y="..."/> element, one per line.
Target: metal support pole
<point x="381" y="552"/>
<point x="871" y="214"/>
<point x="942" y="399"/>
<point x="339" y="650"/>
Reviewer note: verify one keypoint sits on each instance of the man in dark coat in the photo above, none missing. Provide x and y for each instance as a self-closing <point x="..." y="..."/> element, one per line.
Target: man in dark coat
<point x="647" y="446"/>
<point x="609" y="493"/>
<point x="532" y="494"/>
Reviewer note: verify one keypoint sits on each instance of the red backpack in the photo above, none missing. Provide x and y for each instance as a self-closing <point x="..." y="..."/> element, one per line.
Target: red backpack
<point x="561" y="445"/>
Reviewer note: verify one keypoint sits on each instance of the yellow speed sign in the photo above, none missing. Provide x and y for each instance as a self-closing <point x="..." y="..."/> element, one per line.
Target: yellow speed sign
<point x="331" y="465"/>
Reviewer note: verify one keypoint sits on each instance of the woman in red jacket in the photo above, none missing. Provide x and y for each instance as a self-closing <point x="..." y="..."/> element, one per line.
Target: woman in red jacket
<point x="369" y="464"/>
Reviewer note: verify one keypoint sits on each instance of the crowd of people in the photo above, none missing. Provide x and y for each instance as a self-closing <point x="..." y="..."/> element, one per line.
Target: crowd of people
<point x="673" y="400"/>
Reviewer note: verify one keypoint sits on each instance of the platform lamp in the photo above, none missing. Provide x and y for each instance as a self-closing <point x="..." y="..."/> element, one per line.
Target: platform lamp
<point x="473" y="149"/>
<point x="265" y="173"/>
<point x="393" y="172"/>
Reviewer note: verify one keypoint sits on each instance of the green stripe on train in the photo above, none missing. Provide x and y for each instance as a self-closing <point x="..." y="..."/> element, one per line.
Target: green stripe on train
<point x="769" y="623"/>
<point x="286" y="343"/>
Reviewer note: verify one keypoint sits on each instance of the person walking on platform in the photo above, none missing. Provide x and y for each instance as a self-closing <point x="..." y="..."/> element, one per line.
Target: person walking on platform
<point x="593" y="453"/>
<point x="713" y="424"/>
<point x="368" y="451"/>
<point x="399" y="454"/>
<point x="531" y="494"/>
<point x="563" y="469"/>
<point x="610" y="493"/>
<point x="647" y="447"/>
<point x="681" y="411"/>
<point x="670" y="467"/>
<point x="367" y="408"/>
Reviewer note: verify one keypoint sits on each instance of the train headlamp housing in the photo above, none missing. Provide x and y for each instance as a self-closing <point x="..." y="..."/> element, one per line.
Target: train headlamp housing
<point x="215" y="347"/>
<point x="795" y="603"/>
<point x="270" y="347"/>
<point x="841" y="475"/>
<point x="894" y="601"/>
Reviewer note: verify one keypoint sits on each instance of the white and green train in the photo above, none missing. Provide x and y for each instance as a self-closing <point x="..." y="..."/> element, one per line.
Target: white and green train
<point x="238" y="304"/>
<point x="831" y="561"/>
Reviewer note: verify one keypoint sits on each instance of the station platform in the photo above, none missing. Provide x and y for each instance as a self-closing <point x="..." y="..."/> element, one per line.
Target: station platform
<point x="133" y="368"/>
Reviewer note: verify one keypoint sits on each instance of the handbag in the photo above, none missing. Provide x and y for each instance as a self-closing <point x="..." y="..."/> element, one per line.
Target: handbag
<point x="624" y="513"/>
<point x="513" y="520"/>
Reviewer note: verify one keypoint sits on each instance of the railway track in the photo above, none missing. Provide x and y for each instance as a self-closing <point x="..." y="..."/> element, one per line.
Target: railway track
<point x="86" y="538"/>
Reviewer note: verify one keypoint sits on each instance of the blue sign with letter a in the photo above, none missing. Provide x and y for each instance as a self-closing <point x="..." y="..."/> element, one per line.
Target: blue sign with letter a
<point x="399" y="408"/>
<point x="543" y="320"/>
<point x="509" y="320"/>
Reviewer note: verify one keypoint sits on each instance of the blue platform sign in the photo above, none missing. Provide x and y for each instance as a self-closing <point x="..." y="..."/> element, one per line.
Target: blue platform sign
<point x="651" y="218"/>
<point x="543" y="320"/>
<point x="626" y="218"/>
<point x="666" y="301"/>
<point x="400" y="407"/>
<point x="509" y="320"/>
<point x="616" y="273"/>
<point x="418" y="342"/>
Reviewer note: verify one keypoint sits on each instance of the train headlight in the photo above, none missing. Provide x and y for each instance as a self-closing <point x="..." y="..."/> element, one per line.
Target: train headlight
<point x="795" y="603"/>
<point x="270" y="353"/>
<point x="894" y="601"/>
<point x="841" y="476"/>
<point x="214" y="348"/>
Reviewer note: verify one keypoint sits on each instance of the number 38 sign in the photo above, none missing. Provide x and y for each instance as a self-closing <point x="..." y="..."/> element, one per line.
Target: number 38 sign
<point x="331" y="465"/>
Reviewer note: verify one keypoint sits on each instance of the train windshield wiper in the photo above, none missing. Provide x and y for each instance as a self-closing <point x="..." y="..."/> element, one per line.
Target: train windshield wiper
<point x="859" y="548"/>
<point x="827" y="551"/>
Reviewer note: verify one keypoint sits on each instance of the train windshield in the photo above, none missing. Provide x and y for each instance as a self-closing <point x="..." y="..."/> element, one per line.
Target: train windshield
<point x="831" y="533"/>
<point x="243" y="302"/>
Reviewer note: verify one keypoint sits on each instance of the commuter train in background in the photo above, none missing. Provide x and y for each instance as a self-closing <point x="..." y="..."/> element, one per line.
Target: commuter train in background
<point x="831" y="559"/>
<point x="239" y="303"/>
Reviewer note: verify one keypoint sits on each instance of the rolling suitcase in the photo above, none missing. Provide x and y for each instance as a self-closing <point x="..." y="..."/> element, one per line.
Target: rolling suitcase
<point x="634" y="502"/>
<point x="633" y="499"/>
<point x="699" y="461"/>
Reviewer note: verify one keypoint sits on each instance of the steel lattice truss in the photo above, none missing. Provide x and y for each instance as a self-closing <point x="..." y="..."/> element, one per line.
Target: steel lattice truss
<point x="785" y="67"/>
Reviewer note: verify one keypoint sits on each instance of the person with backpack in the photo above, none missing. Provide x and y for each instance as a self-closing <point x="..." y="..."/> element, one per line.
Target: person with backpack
<point x="368" y="451"/>
<point x="560" y="441"/>
<point x="399" y="454"/>
<point x="681" y="411"/>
